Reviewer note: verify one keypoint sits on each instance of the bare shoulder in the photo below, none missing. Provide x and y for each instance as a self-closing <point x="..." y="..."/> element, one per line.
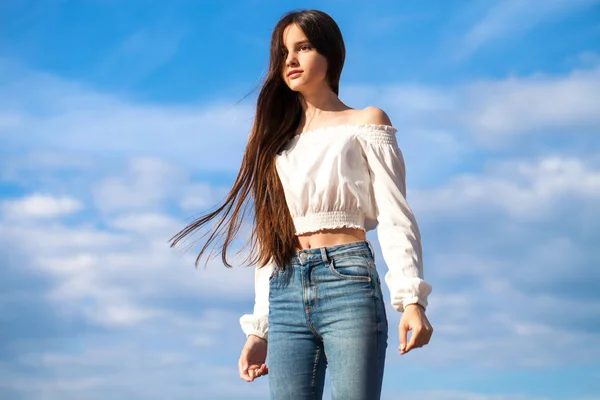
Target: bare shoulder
<point x="373" y="115"/>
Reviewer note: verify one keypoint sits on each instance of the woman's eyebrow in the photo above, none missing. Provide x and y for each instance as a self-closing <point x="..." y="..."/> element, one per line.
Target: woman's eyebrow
<point x="301" y="42"/>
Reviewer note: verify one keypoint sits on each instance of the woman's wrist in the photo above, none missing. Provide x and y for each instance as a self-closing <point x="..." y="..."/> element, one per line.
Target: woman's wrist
<point x="255" y="338"/>
<point x="406" y="307"/>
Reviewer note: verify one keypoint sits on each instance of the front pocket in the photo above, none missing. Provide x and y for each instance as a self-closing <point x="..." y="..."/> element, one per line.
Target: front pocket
<point x="351" y="268"/>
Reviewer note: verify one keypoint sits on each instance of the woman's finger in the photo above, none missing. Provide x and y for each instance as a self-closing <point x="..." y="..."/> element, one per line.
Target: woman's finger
<point x="262" y="370"/>
<point x="413" y="340"/>
<point x="403" y="332"/>
<point x="244" y="373"/>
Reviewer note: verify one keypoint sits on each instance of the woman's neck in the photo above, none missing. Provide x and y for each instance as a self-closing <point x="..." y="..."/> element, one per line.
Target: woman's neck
<point x="318" y="105"/>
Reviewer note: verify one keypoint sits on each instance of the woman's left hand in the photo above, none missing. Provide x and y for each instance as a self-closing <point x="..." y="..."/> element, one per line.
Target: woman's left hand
<point x="413" y="318"/>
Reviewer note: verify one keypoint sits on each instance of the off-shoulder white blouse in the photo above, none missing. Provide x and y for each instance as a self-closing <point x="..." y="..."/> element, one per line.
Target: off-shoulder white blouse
<point x="349" y="176"/>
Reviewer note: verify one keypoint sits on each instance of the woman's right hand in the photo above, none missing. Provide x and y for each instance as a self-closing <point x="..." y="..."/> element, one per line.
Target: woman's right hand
<point x="252" y="361"/>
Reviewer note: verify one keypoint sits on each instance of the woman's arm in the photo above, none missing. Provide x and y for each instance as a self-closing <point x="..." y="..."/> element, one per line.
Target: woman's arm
<point x="397" y="231"/>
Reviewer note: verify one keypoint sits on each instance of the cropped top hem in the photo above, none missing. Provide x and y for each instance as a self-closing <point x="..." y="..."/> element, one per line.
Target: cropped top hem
<point x="329" y="220"/>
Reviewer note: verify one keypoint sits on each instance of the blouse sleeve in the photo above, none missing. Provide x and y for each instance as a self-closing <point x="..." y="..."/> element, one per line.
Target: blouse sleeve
<point x="398" y="232"/>
<point x="257" y="323"/>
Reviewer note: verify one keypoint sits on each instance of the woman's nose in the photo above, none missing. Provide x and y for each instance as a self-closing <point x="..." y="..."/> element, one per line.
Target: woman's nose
<point x="290" y="60"/>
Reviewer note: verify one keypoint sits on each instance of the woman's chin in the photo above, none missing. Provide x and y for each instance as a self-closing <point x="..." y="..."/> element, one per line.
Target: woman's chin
<point x="298" y="87"/>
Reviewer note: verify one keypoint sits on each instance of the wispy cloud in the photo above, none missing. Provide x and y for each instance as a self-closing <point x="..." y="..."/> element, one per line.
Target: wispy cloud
<point x="509" y="18"/>
<point x="58" y="115"/>
<point x="140" y="54"/>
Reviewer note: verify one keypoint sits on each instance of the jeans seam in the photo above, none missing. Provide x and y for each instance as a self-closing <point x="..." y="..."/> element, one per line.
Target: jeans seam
<point x="309" y="309"/>
<point x="331" y="267"/>
<point x="314" y="377"/>
<point x="380" y="329"/>
<point x="377" y="336"/>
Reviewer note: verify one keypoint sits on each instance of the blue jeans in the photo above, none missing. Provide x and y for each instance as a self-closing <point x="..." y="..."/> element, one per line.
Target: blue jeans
<point x="327" y="311"/>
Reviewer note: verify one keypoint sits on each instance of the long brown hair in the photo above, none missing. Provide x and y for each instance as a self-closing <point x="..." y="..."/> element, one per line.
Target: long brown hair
<point x="278" y="113"/>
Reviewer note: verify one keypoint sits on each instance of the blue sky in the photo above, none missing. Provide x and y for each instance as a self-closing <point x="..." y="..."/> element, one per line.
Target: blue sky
<point x="119" y="121"/>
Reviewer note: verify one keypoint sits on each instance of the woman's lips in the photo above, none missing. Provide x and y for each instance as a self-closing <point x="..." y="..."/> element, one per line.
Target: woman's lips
<point x="294" y="74"/>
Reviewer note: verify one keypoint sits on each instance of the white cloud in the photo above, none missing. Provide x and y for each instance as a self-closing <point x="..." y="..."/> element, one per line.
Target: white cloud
<point x="500" y="109"/>
<point x="116" y="276"/>
<point x="62" y="116"/>
<point x="144" y="185"/>
<point x="117" y="266"/>
<point x="204" y="341"/>
<point x="458" y="395"/>
<point x="40" y="206"/>
<point x="443" y="129"/>
<point x="527" y="190"/>
<point x="201" y="196"/>
<point x="465" y="395"/>
<point x="146" y="224"/>
<point x="119" y="316"/>
<point x="129" y="369"/>
<point x="535" y="104"/>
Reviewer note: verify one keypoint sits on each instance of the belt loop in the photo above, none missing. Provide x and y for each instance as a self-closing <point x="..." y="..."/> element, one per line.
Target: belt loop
<point x="324" y="255"/>
<point x="371" y="248"/>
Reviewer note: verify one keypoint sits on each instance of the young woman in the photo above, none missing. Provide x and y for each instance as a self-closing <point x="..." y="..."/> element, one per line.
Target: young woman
<point x="320" y="175"/>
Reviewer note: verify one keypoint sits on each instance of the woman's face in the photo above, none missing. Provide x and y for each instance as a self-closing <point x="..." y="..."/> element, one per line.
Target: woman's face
<point x="304" y="69"/>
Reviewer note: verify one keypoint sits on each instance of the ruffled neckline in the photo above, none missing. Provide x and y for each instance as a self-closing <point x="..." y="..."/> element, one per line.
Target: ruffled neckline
<point x="363" y="127"/>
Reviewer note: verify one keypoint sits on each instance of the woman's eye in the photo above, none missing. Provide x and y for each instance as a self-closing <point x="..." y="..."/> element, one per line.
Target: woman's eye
<point x="305" y="47"/>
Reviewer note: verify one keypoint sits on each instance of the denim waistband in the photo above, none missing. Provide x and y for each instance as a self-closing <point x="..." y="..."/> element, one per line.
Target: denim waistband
<point x="323" y="254"/>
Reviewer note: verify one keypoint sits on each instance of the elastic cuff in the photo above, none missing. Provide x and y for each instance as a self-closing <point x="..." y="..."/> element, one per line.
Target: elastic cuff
<point x="262" y="335"/>
<point x="414" y="300"/>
